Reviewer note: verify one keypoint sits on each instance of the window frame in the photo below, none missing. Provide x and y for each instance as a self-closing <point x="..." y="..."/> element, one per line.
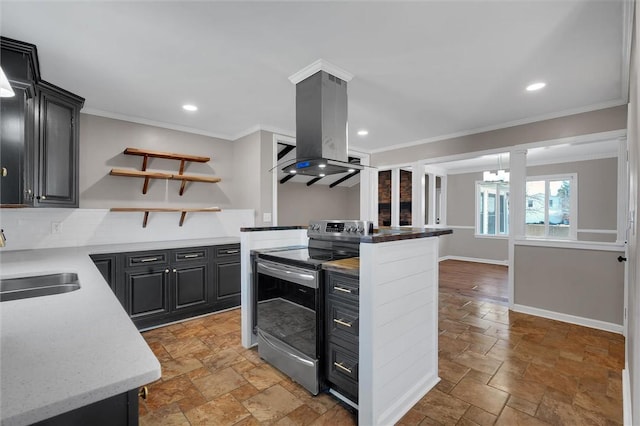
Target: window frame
<point x="477" y="193"/>
<point x="573" y="206"/>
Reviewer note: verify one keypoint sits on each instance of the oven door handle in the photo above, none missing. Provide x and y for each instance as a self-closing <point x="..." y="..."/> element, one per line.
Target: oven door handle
<point x="307" y="279"/>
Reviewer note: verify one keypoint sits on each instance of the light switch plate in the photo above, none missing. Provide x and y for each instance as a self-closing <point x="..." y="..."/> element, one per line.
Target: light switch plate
<point x="266" y="217"/>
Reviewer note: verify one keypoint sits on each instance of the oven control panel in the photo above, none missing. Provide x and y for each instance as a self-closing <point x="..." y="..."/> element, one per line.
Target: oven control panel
<point x="340" y="228"/>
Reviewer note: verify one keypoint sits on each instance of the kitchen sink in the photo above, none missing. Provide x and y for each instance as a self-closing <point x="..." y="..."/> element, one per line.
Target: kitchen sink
<point x="37" y="285"/>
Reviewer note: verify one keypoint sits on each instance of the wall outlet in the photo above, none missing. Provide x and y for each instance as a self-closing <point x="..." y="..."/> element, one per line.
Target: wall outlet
<point x="266" y="217"/>
<point x="56" y="227"/>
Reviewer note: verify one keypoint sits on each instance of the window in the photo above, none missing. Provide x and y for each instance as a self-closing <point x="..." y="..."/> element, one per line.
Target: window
<point x="492" y="208"/>
<point x="551" y="206"/>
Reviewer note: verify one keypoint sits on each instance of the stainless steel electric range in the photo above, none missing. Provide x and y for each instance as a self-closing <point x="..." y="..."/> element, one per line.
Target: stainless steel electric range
<point x="288" y="307"/>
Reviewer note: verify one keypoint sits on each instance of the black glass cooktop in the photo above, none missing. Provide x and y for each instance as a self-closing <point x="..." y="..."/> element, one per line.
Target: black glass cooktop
<point x="305" y="257"/>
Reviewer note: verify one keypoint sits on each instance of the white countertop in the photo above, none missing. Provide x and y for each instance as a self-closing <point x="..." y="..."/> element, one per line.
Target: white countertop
<point x="64" y="351"/>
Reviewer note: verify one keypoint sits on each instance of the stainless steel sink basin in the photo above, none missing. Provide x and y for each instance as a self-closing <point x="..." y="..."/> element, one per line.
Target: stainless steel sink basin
<point x="37" y="285"/>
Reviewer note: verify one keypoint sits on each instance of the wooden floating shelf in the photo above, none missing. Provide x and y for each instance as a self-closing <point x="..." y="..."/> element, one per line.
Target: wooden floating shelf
<point x="147" y="210"/>
<point x="166" y="155"/>
<point x="144" y="173"/>
<point x="141" y="174"/>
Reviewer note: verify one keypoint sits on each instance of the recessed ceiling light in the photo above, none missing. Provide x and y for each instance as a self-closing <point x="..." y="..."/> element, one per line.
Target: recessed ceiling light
<point x="363" y="132"/>
<point x="322" y="166"/>
<point x="293" y="172"/>
<point x="351" y="170"/>
<point x="322" y="175"/>
<point x="189" y="107"/>
<point x="535" y="86"/>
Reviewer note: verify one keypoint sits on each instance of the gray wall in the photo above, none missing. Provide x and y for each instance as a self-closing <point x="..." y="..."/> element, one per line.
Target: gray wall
<point x="573" y="125"/>
<point x="597" y="194"/>
<point x="461" y="210"/>
<point x="299" y="203"/>
<point x="246" y="173"/>
<point x="102" y="142"/>
<point x="583" y="283"/>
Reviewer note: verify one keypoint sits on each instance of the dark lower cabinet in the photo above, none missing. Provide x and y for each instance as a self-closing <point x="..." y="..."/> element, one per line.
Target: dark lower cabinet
<point x="226" y="264"/>
<point x="342" y="325"/>
<point x="106" y="264"/>
<point x="190" y="285"/>
<point x="158" y="287"/>
<point x="119" y="410"/>
<point x="147" y="293"/>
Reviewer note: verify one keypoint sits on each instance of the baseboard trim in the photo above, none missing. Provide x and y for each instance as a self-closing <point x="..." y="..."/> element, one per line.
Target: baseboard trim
<point x="572" y="319"/>
<point x="395" y="412"/>
<point x="476" y="260"/>
<point x="626" y="397"/>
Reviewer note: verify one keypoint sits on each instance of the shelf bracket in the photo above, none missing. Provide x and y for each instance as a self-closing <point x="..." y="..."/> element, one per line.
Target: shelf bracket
<point x="145" y="186"/>
<point x="184" y="182"/>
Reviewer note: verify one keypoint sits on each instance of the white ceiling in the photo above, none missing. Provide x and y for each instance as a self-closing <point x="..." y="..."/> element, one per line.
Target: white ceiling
<point x="422" y="70"/>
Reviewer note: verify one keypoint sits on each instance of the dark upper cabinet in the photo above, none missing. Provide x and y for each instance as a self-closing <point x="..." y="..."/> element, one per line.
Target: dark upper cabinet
<point x="57" y="147"/>
<point x="16" y="154"/>
<point x="39" y="135"/>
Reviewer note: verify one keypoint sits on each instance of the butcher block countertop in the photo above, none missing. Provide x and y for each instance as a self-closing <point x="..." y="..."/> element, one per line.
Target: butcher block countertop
<point x="349" y="266"/>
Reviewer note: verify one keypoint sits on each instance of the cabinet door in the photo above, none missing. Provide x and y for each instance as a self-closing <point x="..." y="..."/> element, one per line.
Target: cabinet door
<point x="190" y="283"/>
<point x="106" y="264"/>
<point x="15" y="146"/>
<point x="147" y="292"/>
<point x="57" y="173"/>
<point x="228" y="282"/>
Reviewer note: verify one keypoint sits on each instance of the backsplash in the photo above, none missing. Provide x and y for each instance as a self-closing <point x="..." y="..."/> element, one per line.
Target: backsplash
<point x="48" y="228"/>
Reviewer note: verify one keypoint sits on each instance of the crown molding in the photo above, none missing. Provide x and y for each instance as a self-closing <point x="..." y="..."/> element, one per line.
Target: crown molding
<point x="140" y="120"/>
<point x="320" y="65"/>
<point x="529" y="120"/>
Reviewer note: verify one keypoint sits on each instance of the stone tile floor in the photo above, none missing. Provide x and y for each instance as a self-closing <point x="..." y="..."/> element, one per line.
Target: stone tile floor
<point x="497" y="367"/>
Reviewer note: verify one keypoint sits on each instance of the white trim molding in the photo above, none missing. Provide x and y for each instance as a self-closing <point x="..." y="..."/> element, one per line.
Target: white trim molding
<point x="476" y="260"/>
<point x="598" y="231"/>
<point x="627" y="418"/>
<point x="320" y="65"/>
<point x="571" y="319"/>
<point x="578" y="245"/>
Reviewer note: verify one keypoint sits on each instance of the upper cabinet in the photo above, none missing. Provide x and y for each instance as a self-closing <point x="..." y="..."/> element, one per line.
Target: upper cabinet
<point x="57" y="173"/>
<point x="39" y="134"/>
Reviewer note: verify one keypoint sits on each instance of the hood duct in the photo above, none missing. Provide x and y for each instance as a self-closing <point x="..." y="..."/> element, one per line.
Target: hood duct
<point x="321" y="127"/>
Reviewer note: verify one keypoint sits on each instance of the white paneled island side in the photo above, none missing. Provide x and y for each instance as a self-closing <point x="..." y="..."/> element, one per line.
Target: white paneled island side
<point x="398" y="308"/>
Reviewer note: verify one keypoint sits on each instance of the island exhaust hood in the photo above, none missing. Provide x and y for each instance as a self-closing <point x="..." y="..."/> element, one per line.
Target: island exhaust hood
<point x="321" y="127"/>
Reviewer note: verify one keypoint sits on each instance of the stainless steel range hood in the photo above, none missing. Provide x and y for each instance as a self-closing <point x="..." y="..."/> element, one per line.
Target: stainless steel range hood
<point x="321" y="127"/>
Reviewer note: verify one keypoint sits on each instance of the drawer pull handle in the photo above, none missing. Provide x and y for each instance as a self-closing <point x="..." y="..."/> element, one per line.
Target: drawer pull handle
<point x="342" y="367"/>
<point x="342" y="289"/>
<point x="190" y="256"/>
<point x="148" y="259"/>
<point x="232" y="251"/>
<point x="341" y="322"/>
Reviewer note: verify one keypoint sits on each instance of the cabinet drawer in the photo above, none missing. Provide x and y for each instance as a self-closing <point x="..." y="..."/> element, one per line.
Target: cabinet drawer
<point x="343" y="370"/>
<point x="148" y="258"/>
<point x="345" y="287"/>
<point x="343" y="322"/>
<point x="189" y="254"/>
<point x="227" y="251"/>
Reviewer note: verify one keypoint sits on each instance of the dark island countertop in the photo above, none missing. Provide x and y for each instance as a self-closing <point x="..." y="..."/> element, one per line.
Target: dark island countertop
<point x="272" y="228"/>
<point x="386" y="234"/>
